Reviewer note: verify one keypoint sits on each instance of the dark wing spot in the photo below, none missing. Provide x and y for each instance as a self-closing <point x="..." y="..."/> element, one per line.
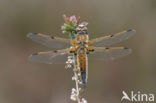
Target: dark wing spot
<point x="106" y="48"/>
<point x="129" y="30"/>
<point x="71" y="51"/>
<point x="52" y="37"/>
<point x="55" y="51"/>
<point x="125" y="48"/>
<point x="35" y="53"/>
<point x="35" y="33"/>
<point x="93" y="50"/>
<point x="111" y="35"/>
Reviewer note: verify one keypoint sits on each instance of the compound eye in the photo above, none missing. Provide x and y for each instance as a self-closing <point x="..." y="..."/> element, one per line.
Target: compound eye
<point x="78" y="29"/>
<point x="85" y="28"/>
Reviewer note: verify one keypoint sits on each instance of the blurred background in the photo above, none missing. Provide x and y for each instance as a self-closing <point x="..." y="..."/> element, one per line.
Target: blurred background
<point x="24" y="82"/>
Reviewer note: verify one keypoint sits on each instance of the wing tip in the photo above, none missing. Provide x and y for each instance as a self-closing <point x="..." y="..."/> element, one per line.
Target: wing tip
<point x="30" y="34"/>
<point x="35" y="54"/>
<point x="130" y="50"/>
<point x="31" y="57"/>
<point x="131" y="30"/>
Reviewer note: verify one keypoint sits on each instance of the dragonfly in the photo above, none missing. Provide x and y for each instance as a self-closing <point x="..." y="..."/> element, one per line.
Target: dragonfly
<point x="82" y="47"/>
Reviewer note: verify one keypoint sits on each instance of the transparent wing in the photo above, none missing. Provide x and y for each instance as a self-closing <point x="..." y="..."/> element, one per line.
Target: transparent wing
<point x="50" y="57"/>
<point x="112" y="39"/>
<point x="111" y="53"/>
<point x="49" y="41"/>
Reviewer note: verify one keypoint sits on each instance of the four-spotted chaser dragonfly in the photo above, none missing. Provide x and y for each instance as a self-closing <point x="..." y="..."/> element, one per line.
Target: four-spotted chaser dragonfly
<point x="81" y="47"/>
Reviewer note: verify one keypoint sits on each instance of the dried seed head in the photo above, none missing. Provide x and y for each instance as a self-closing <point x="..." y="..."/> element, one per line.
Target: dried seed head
<point x="84" y="100"/>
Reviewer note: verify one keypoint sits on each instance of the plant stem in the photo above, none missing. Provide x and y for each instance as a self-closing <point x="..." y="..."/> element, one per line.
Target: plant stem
<point x="76" y="77"/>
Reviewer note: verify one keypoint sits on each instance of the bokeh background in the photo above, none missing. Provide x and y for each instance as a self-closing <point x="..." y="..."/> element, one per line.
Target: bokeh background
<point x="25" y="82"/>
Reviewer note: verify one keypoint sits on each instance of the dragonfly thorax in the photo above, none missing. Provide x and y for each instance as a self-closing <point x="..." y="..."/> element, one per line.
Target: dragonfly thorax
<point x="82" y="38"/>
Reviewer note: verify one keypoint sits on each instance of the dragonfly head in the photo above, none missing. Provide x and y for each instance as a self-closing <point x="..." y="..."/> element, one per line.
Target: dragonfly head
<point x="82" y="34"/>
<point x="81" y="29"/>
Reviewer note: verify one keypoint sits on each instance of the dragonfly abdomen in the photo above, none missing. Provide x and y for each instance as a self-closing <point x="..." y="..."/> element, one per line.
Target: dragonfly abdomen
<point x="82" y="63"/>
